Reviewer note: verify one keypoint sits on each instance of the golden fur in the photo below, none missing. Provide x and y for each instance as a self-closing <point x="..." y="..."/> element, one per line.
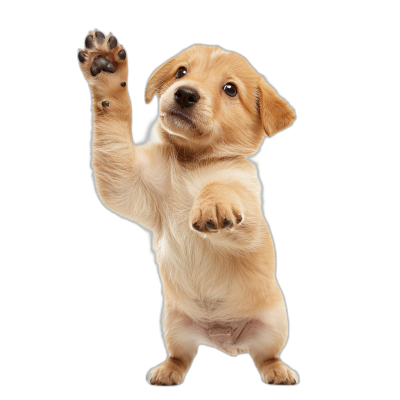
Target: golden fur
<point x="219" y="285"/>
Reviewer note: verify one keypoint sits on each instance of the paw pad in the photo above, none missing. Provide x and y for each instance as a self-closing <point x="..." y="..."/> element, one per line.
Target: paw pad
<point x="102" y="64"/>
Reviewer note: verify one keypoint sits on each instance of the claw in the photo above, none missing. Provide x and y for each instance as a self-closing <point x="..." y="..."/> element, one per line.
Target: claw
<point x="227" y="224"/>
<point x="210" y="226"/>
<point x="196" y="227"/>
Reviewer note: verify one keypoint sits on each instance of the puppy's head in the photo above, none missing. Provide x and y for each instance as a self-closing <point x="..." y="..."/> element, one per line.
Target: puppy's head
<point x="212" y="100"/>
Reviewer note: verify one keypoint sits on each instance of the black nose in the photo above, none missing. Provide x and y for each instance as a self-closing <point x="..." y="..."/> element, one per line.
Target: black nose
<point x="186" y="97"/>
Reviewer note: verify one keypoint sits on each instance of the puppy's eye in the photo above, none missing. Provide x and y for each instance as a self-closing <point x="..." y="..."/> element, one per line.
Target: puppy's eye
<point x="180" y="73"/>
<point x="230" y="89"/>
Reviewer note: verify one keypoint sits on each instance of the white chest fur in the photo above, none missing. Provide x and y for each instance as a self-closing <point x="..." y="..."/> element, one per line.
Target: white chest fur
<point x="199" y="269"/>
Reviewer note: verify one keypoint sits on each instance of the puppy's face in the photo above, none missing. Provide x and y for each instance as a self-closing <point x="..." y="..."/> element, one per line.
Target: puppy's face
<point x="214" y="100"/>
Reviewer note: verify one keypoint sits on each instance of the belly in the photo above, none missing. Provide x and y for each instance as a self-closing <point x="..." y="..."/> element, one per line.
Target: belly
<point x="232" y="337"/>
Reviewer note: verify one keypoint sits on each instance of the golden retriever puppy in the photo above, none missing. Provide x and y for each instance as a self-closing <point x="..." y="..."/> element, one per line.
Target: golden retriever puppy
<point x="196" y="190"/>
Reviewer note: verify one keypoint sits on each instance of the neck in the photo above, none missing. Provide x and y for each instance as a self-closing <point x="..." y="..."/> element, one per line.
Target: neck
<point x="187" y="154"/>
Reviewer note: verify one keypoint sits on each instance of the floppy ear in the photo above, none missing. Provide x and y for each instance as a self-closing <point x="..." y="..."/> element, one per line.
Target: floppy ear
<point x="157" y="80"/>
<point x="275" y="112"/>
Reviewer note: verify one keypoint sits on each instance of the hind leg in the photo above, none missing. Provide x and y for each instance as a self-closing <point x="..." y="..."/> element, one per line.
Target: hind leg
<point x="267" y="345"/>
<point x="181" y="340"/>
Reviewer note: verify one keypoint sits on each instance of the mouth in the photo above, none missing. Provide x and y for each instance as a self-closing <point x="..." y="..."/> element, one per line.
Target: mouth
<point x="180" y="115"/>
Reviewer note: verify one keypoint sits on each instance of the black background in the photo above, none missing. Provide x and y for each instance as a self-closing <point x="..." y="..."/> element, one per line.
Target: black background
<point x="85" y="308"/>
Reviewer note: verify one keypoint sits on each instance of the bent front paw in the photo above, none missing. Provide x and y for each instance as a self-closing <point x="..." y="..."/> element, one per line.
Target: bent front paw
<point x="208" y="216"/>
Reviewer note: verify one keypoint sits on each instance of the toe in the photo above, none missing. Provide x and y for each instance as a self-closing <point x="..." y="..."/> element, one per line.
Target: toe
<point x="89" y="42"/>
<point x="82" y="56"/>
<point x="100" y="37"/>
<point x="112" y="42"/>
<point x="122" y="54"/>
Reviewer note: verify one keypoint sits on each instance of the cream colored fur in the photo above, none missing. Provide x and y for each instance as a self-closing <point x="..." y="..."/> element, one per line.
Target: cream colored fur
<point x="219" y="286"/>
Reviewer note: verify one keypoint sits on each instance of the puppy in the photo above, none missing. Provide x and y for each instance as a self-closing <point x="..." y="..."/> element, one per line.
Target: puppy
<point x="196" y="190"/>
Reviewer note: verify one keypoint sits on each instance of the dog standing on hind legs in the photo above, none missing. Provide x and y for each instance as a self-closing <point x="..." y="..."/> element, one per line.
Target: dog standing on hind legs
<point x="196" y="190"/>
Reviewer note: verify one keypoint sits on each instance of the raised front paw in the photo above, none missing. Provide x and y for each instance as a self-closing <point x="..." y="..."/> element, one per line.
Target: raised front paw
<point x="103" y="59"/>
<point x="210" y="216"/>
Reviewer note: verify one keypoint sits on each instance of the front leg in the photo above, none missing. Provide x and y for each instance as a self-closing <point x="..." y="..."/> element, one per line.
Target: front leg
<point x="120" y="168"/>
